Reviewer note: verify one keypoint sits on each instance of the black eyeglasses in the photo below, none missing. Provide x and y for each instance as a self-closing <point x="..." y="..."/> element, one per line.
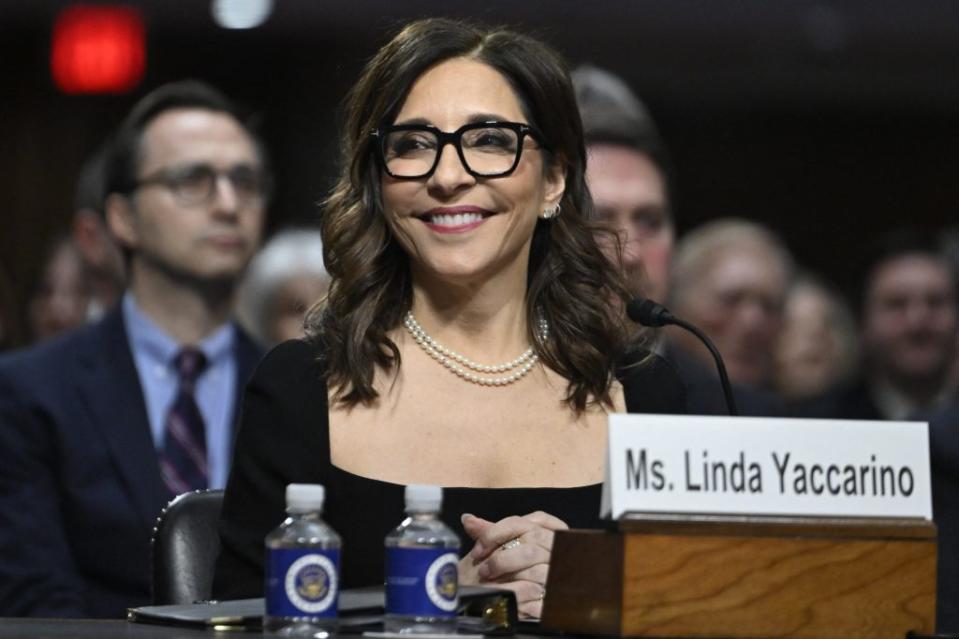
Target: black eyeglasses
<point x="486" y="149"/>
<point x="195" y="184"/>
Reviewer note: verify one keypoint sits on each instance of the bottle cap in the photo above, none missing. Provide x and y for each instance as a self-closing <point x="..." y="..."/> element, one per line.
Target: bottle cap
<point x="423" y="498"/>
<point x="304" y="498"/>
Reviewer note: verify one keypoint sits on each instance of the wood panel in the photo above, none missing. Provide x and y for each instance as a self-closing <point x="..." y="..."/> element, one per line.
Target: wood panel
<point x="744" y="585"/>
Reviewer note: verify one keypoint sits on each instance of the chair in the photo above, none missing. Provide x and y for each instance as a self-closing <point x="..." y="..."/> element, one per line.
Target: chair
<point x="184" y="548"/>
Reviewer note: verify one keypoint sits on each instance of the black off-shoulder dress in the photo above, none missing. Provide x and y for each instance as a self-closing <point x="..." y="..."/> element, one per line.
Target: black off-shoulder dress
<point x="284" y="438"/>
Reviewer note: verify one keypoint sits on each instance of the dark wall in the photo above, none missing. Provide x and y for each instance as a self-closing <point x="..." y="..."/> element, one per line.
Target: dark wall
<point x="830" y="122"/>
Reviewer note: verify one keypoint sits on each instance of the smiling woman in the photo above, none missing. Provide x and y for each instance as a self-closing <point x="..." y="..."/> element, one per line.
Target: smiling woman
<point x="473" y="335"/>
<point x="438" y="76"/>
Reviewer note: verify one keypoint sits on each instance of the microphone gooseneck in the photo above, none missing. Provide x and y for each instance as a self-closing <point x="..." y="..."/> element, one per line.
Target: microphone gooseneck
<point x="649" y="313"/>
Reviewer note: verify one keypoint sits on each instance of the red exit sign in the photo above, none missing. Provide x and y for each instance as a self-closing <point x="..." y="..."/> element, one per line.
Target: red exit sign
<point x="98" y="49"/>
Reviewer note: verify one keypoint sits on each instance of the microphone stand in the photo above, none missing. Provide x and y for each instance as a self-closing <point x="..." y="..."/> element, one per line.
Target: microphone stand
<point x="649" y="313"/>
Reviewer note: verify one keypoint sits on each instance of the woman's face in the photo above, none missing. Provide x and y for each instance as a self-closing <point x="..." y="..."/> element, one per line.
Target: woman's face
<point x="456" y="227"/>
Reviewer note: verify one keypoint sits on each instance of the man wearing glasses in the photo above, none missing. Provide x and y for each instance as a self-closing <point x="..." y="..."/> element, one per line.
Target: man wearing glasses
<point x="98" y="430"/>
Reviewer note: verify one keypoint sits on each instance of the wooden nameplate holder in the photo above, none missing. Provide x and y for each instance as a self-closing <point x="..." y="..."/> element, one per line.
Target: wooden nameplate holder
<point x="727" y="576"/>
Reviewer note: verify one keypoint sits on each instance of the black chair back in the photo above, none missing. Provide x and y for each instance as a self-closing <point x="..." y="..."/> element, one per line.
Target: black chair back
<point x="185" y="545"/>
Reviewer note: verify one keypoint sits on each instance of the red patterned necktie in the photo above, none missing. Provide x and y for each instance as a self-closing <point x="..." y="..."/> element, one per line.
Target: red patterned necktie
<point x="183" y="463"/>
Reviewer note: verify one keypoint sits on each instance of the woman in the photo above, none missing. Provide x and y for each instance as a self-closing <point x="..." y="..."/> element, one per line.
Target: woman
<point x="472" y="335"/>
<point x="284" y="279"/>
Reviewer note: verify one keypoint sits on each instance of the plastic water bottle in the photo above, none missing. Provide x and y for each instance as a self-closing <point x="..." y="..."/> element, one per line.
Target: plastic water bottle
<point x="422" y="559"/>
<point x="302" y="568"/>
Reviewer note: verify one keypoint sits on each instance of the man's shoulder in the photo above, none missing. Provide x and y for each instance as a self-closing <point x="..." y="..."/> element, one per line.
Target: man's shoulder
<point x="47" y="353"/>
<point x="849" y="401"/>
<point x="56" y="356"/>
<point x="704" y="391"/>
<point x="248" y="351"/>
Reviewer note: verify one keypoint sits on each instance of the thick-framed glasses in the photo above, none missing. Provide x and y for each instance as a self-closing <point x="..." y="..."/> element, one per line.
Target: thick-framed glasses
<point x="195" y="184"/>
<point x="486" y="149"/>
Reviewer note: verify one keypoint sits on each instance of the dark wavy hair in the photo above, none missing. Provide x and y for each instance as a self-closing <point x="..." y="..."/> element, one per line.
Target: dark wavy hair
<point x="571" y="283"/>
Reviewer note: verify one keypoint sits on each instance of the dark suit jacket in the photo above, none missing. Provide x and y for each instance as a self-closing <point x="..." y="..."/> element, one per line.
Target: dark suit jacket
<point x="944" y="453"/>
<point x="704" y="392"/>
<point x="853" y="401"/>
<point x="80" y="486"/>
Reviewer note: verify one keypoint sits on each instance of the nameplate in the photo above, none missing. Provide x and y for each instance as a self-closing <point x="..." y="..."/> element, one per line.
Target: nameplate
<point x="766" y="466"/>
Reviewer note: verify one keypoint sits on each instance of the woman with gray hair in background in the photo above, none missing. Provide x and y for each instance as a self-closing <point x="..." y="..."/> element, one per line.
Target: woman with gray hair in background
<point x="283" y="281"/>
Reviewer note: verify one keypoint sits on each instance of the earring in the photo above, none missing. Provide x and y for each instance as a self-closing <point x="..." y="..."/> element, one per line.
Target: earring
<point x="549" y="214"/>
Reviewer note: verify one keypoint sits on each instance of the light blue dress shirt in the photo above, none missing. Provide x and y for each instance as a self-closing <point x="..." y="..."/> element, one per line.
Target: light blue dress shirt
<point x="153" y="353"/>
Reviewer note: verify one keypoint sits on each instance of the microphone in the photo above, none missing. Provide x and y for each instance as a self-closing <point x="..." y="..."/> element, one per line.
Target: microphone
<point x="649" y="313"/>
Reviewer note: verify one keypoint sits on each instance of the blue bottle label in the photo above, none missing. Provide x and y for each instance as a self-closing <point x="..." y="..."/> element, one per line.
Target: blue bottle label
<point x="302" y="582"/>
<point x="422" y="582"/>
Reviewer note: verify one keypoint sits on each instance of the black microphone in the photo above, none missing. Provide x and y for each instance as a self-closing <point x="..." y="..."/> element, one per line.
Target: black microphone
<point x="649" y="313"/>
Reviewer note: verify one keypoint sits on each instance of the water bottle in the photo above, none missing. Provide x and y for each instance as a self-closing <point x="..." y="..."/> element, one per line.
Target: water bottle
<point x="302" y="568"/>
<point x="422" y="559"/>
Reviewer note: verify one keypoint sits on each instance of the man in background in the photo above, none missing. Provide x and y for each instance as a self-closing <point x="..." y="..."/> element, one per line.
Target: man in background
<point x="629" y="176"/>
<point x="908" y="325"/>
<point x="909" y="331"/>
<point x="730" y="278"/>
<point x="101" y="427"/>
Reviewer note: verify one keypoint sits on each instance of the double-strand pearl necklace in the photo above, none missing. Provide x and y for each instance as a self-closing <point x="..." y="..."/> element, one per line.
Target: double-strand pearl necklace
<point x="456" y="362"/>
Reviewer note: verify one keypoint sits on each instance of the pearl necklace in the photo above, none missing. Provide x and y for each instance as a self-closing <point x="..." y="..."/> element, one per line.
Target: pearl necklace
<point x="455" y="362"/>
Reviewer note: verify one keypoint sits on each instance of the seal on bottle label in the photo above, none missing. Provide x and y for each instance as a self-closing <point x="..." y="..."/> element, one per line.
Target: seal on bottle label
<point x="303" y="582"/>
<point x="422" y="582"/>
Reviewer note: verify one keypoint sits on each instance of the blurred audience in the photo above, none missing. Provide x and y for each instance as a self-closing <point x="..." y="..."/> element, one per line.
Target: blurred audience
<point x="100" y="428"/>
<point x="628" y="176"/>
<point x="818" y="345"/>
<point x="83" y="274"/>
<point x="909" y="331"/>
<point x="284" y="280"/>
<point x="730" y="278"/>
<point x="909" y="325"/>
<point x="62" y="295"/>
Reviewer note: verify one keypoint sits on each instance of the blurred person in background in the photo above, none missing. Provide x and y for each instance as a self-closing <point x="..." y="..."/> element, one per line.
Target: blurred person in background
<point x="628" y="173"/>
<point x="60" y="300"/>
<point x="944" y="457"/>
<point x="103" y="268"/>
<point x="83" y="274"/>
<point x="102" y="426"/>
<point x="730" y="278"/>
<point x="284" y="280"/>
<point x="629" y="176"/>
<point x="818" y="347"/>
<point x="908" y="326"/>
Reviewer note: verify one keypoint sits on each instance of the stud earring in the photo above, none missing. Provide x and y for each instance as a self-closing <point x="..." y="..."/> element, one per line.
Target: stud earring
<point x="550" y="213"/>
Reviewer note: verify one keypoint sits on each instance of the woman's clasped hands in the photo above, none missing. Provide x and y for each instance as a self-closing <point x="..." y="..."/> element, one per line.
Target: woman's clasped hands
<point x="512" y="553"/>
